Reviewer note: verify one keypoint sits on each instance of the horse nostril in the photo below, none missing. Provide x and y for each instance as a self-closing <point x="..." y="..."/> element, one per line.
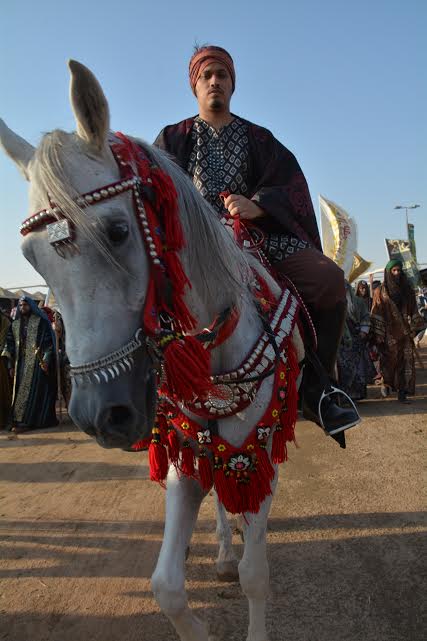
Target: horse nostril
<point x="120" y="414"/>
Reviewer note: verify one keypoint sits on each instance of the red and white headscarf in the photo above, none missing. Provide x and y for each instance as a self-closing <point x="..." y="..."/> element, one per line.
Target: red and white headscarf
<point x="206" y="56"/>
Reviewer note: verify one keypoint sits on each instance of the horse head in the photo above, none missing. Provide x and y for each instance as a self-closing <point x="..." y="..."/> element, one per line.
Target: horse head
<point x="100" y="288"/>
<point x="97" y="261"/>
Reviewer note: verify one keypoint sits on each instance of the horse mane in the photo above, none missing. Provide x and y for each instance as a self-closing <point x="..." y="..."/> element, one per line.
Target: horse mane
<point x="219" y="269"/>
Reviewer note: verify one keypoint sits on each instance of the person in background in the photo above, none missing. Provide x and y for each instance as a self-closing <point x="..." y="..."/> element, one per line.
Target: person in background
<point x="354" y="365"/>
<point x="422" y="308"/>
<point x="395" y="322"/>
<point x="363" y="292"/>
<point x="30" y="351"/>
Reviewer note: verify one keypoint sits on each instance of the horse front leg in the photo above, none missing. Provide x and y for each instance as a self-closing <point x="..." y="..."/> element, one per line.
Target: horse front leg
<point x="253" y="568"/>
<point x="226" y="562"/>
<point x="183" y="499"/>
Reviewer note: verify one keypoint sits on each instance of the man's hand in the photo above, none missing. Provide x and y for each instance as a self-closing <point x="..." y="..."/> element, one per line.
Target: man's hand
<point x="44" y="366"/>
<point x="240" y="206"/>
<point x="12" y="373"/>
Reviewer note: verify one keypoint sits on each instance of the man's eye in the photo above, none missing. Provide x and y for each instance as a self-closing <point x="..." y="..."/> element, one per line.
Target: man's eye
<point x="118" y="232"/>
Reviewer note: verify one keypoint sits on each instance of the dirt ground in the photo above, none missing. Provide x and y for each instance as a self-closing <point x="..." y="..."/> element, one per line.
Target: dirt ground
<point x="81" y="527"/>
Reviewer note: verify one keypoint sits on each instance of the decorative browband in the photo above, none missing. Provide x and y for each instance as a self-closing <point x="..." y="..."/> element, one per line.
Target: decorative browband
<point x="54" y="213"/>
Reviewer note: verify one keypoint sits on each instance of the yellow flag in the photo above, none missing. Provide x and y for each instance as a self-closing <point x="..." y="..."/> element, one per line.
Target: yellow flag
<point x="360" y="266"/>
<point x="339" y="234"/>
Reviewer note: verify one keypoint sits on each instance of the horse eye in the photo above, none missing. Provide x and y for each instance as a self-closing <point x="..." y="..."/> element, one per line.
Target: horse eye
<point x="118" y="232"/>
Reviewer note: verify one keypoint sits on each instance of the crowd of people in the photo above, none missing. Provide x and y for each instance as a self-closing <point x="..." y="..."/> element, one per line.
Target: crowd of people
<point x="382" y="331"/>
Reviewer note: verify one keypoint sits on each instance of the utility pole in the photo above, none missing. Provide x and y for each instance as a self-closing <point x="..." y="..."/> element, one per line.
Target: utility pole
<point x="406" y="208"/>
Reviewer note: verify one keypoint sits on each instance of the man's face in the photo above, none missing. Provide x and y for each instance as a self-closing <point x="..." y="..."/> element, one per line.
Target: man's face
<point x="396" y="271"/>
<point x="214" y="88"/>
<point x="24" y="308"/>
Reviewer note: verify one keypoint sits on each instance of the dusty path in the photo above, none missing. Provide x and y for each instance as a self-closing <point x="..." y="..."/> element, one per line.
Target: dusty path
<point x="80" y="530"/>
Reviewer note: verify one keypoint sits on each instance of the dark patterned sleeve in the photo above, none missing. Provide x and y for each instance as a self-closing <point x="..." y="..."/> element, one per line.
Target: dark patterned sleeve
<point x="9" y="350"/>
<point x="378" y="327"/>
<point x="47" y="347"/>
<point x="281" y="188"/>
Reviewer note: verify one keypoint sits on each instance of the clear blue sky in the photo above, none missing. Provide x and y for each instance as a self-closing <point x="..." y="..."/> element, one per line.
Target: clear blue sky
<point x="341" y="84"/>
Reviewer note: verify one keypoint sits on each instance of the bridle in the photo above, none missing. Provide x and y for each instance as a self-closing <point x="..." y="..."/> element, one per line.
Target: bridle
<point x="61" y="236"/>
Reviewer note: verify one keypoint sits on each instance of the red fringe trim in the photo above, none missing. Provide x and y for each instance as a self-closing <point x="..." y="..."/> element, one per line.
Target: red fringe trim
<point x="279" y="451"/>
<point x="264" y="466"/>
<point x="205" y="471"/>
<point x="166" y="216"/>
<point x="187" y="464"/>
<point x="173" y="445"/>
<point x="141" y="446"/>
<point x="158" y="458"/>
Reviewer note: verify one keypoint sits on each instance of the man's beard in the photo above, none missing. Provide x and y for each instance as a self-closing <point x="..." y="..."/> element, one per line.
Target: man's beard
<point x="216" y="104"/>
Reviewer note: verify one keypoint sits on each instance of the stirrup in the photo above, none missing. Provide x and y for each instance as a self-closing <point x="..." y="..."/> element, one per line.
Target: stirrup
<point x="335" y="390"/>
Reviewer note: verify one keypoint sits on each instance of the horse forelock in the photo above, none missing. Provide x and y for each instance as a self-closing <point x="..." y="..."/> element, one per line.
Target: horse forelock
<point x="53" y="170"/>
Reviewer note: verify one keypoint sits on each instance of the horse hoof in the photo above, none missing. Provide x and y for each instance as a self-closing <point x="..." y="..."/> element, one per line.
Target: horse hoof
<point x="227" y="571"/>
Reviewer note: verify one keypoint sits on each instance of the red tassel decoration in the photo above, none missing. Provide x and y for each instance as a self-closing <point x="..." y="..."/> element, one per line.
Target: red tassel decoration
<point x="187" y="368"/>
<point x="176" y="272"/>
<point x="158" y="458"/>
<point x="142" y="445"/>
<point x="292" y="396"/>
<point x="222" y="484"/>
<point x="187" y="465"/>
<point x="173" y="445"/>
<point x="279" y="451"/>
<point x="164" y="187"/>
<point x="205" y="470"/>
<point x="265" y="469"/>
<point x="150" y="314"/>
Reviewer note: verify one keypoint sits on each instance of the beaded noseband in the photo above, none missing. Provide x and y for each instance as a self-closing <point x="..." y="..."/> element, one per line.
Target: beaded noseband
<point x="109" y="367"/>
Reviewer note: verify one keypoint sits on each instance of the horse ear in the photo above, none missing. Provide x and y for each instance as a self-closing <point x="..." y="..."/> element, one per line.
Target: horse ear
<point x="89" y="105"/>
<point x="16" y="148"/>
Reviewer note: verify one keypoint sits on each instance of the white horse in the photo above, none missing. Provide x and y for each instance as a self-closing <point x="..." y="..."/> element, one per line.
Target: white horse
<point x="101" y="290"/>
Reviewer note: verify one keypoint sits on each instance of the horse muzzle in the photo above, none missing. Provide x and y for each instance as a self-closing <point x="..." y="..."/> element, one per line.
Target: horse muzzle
<point x="118" y="413"/>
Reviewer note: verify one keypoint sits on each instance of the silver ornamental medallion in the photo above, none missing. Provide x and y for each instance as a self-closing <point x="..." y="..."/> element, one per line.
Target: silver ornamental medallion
<point x="59" y="232"/>
<point x="222" y="398"/>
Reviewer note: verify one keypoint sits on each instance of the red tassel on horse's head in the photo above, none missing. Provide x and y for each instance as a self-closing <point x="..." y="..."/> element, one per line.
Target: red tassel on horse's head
<point x="187" y="367"/>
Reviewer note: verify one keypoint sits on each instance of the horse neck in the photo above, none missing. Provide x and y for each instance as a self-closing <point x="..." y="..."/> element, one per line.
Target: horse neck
<point x="232" y="351"/>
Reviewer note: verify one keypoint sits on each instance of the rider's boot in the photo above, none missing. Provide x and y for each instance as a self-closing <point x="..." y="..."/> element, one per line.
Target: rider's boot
<point x="319" y="374"/>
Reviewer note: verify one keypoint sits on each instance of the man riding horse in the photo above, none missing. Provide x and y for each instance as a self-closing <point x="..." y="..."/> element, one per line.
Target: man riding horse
<point x="224" y="153"/>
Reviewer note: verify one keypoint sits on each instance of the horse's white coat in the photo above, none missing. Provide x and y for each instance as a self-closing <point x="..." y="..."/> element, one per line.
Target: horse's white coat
<point x="95" y="296"/>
